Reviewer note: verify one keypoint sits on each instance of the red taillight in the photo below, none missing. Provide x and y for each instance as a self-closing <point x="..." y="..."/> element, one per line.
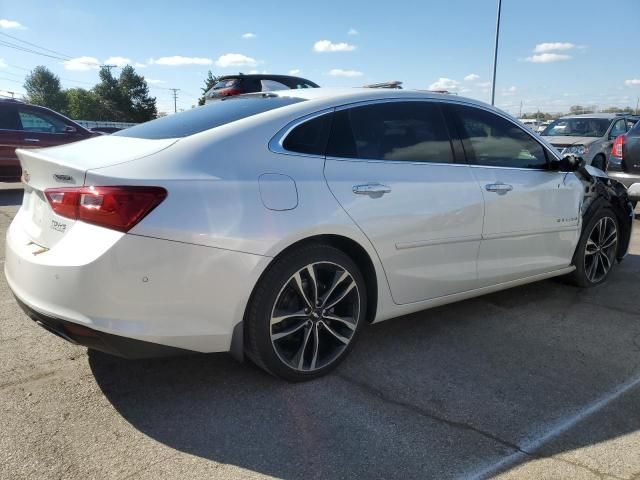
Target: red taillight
<point x="118" y="208"/>
<point x="618" y="144"/>
<point x="228" y="92"/>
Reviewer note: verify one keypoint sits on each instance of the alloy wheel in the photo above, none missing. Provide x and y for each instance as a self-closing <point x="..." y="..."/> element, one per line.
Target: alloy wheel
<point x="600" y="249"/>
<point x="315" y="316"/>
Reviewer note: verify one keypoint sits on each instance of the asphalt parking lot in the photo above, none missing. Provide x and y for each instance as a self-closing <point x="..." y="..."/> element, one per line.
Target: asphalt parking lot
<point x="541" y="381"/>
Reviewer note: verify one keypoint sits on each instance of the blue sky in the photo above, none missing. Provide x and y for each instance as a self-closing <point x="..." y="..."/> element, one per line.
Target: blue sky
<point x="553" y="53"/>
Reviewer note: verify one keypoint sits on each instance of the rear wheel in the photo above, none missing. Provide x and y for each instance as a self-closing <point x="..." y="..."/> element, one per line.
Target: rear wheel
<point x="306" y="313"/>
<point x="596" y="252"/>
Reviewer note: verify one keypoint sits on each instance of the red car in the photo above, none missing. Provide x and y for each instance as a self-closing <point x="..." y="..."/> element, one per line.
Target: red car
<point x="30" y="126"/>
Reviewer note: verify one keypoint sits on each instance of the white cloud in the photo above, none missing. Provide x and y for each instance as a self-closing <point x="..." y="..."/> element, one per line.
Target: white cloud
<point x="632" y="82"/>
<point x="254" y="72"/>
<point x="3" y="64"/>
<point x="328" y="46"/>
<point x="444" y="83"/>
<point x="295" y="71"/>
<point x="178" y="60"/>
<point x="153" y="81"/>
<point x="118" y="61"/>
<point x="81" y="64"/>
<point x="235" y="60"/>
<point x="471" y="77"/>
<point x="338" y="72"/>
<point x="140" y="65"/>
<point x="548" y="58"/>
<point x="352" y="31"/>
<point x="509" y="92"/>
<point x="553" y="46"/>
<point x="4" y="23"/>
<point x="249" y="35"/>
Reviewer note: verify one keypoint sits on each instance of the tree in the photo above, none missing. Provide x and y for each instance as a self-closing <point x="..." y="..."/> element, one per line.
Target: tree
<point x="112" y="101"/>
<point x="83" y="104"/>
<point x="43" y="88"/>
<point x="578" y="109"/>
<point x="209" y="82"/>
<point x="139" y="106"/>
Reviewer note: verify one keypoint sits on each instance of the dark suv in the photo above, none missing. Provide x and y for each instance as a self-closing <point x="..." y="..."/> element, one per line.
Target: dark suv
<point x="237" y="84"/>
<point x="30" y="126"/>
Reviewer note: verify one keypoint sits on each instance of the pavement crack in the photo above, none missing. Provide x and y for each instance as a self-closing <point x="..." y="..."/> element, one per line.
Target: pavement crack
<point x="428" y="414"/>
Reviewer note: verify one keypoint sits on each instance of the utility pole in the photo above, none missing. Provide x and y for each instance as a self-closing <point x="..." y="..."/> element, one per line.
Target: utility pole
<point x="520" y="114"/>
<point x="108" y="67"/>
<point x="495" y="55"/>
<point x="637" y="103"/>
<point x="175" y="99"/>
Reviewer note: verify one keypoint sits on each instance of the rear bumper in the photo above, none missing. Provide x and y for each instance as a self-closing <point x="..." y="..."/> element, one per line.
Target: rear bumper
<point x="96" y="340"/>
<point x="122" y="286"/>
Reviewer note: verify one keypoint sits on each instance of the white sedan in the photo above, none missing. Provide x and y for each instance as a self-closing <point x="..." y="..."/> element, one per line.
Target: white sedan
<point x="278" y="225"/>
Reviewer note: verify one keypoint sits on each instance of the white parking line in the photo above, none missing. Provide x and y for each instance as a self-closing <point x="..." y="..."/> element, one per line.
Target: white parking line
<point x="561" y="427"/>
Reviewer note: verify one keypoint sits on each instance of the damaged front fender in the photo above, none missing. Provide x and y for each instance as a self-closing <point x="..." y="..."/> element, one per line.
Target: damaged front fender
<point x="602" y="191"/>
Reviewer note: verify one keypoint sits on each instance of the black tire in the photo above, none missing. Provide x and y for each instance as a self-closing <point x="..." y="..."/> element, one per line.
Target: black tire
<point x="278" y="289"/>
<point x="583" y="276"/>
<point x="600" y="162"/>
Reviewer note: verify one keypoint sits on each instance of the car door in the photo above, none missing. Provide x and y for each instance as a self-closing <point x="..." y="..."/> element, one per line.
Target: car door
<point x="391" y="166"/>
<point x="41" y="129"/>
<point x="532" y="213"/>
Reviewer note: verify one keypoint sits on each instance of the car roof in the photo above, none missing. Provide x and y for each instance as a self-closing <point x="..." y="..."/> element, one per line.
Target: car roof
<point x="265" y="76"/>
<point x="606" y="116"/>
<point x="348" y="95"/>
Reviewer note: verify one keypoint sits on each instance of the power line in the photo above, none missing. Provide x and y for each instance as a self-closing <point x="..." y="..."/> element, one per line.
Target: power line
<point x="34" y="45"/>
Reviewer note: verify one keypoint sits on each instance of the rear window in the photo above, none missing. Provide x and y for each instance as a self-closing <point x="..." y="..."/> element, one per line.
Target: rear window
<point x="226" y="83"/>
<point x="206" y="117"/>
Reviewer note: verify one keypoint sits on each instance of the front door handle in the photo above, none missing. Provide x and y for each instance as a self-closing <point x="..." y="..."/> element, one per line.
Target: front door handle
<point x="32" y="140"/>
<point x="499" y="188"/>
<point x="371" y="189"/>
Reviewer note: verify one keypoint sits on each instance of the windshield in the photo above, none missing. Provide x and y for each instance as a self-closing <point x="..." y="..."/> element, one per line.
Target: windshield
<point x="208" y="116"/>
<point x="577" y="127"/>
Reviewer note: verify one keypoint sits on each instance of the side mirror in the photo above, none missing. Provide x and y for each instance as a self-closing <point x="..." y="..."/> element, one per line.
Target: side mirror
<point x="569" y="163"/>
<point x="70" y="129"/>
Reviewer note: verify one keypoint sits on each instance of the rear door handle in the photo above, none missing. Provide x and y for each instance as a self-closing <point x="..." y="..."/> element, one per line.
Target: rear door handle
<point x="371" y="189"/>
<point x="499" y="188"/>
<point x="32" y="140"/>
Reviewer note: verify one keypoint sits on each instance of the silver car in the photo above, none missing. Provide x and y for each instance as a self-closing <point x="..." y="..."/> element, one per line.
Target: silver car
<point x="589" y="136"/>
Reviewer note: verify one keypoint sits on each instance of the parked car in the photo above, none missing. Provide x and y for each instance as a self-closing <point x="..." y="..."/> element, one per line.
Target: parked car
<point x="531" y="123"/>
<point x="277" y="226"/>
<point x="31" y="126"/>
<point x="589" y="136"/>
<point x="230" y="85"/>
<point x="624" y="162"/>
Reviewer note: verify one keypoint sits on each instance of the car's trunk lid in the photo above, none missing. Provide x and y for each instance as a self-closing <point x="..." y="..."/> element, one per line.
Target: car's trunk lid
<point x="66" y="166"/>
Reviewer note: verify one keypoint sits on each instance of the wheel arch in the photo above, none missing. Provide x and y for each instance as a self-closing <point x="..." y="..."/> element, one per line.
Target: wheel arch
<point x="347" y="245"/>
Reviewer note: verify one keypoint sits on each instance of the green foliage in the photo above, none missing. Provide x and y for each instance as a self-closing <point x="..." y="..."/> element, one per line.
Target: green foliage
<point x="43" y="88"/>
<point x="83" y="104"/>
<point x="209" y="82"/>
<point x="122" y="99"/>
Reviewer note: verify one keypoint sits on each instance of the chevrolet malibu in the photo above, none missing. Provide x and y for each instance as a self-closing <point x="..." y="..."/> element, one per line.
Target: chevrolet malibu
<point x="277" y="225"/>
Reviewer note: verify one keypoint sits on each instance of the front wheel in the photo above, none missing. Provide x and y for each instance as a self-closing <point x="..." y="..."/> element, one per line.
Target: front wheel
<point x="306" y="313"/>
<point x="597" y="249"/>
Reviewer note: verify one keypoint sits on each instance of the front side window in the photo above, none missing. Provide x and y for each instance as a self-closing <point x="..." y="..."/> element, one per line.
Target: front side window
<point x="272" y="85"/>
<point x="37" y="122"/>
<point x="494" y="141"/>
<point x="397" y="131"/>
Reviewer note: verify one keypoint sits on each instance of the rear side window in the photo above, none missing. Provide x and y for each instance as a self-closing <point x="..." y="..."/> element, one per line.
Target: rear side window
<point x="309" y="137"/>
<point x="9" y="119"/>
<point x="494" y="141"/>
<point x="398" y="131"/>
<point x="206" y="117"/>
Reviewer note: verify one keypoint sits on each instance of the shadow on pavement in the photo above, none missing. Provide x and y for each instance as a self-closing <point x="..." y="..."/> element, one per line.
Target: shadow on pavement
<point x="438" y="394"/>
